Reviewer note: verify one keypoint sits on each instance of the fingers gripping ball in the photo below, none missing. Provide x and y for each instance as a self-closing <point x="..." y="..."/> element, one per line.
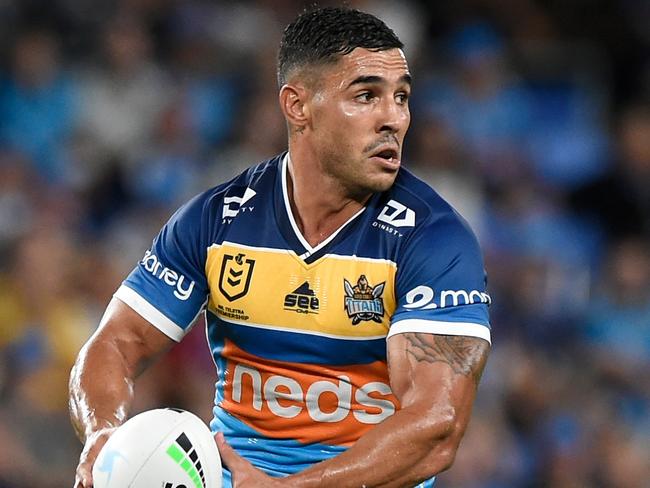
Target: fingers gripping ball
<point x="164" y="448"/>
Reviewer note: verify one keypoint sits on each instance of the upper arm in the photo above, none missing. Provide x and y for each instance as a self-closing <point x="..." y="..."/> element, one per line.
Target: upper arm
<point x="439" y="338"/>
<point x="128" y="336"/>
<point x="419" y="361"/>
<point x="437" y="375"/>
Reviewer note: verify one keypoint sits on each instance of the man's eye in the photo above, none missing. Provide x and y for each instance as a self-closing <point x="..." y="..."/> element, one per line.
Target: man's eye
<point x="402" y="98"/>
<point x="364" y="97"/>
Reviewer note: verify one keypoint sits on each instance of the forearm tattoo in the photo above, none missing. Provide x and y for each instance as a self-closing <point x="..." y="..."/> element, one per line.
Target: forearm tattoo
<point x="465" y="355"/>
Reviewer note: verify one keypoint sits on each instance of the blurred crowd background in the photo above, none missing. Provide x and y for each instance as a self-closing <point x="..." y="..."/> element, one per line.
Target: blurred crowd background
<point x="531" y="117"/>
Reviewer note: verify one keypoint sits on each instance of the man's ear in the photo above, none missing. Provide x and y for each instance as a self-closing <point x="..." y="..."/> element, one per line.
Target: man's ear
<point x="293" y="98"/>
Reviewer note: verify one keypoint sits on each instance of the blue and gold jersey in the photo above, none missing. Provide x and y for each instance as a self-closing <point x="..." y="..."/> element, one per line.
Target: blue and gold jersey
<point x="298" y="333"/>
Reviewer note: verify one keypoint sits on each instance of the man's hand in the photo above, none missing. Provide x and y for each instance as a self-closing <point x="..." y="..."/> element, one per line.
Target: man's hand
<point x="244" y="474"/>
<point x="94" y="444"/>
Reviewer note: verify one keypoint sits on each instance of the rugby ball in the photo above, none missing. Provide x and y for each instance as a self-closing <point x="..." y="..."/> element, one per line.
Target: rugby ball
<point x="161" y="448"/>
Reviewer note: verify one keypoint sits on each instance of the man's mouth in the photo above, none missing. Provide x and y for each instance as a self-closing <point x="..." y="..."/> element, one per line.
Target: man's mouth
<point x="389" y="157"/>
<point x="387" y="154"/>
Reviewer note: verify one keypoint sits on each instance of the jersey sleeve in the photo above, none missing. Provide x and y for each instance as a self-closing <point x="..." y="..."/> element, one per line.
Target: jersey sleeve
<point x="168" y="287"/>
<point x="441" y="283"/>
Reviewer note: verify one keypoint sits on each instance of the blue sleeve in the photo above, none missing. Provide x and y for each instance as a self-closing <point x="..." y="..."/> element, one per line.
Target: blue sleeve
<point x="441" y="282"/>
<point x="169" y="287"/>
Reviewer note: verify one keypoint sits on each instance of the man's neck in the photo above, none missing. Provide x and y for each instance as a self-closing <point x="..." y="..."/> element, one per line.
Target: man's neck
<point x="319" y="202"/>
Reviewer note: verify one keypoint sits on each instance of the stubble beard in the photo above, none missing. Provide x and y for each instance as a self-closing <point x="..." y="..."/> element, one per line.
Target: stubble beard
<point x="353" y="178"/>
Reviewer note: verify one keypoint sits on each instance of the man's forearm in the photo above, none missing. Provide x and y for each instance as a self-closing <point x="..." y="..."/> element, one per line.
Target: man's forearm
<point x="435" y="378"/>
<point x="101" y="389"/>
<point x="405" y="449"/>
<point x="101" y="381"/>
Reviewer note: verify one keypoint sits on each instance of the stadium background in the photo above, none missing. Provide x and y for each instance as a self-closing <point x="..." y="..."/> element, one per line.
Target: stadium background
<point x="531" y="117"/>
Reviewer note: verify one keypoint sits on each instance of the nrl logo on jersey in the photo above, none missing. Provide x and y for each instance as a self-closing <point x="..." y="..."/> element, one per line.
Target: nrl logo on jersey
<point x="363" y="302"/>
<point x="235" y="276"/>
<point x="232" y="206"/>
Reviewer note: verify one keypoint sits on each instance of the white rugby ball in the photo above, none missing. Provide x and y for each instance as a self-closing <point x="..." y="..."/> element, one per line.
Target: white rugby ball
<point x="162" y="448"/>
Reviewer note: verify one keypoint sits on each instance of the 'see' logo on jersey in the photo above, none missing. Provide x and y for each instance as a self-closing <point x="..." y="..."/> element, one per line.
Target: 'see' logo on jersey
<point x="397" y="215"/>
<point x="302" y="300"/>
<point x="235" y="276"/>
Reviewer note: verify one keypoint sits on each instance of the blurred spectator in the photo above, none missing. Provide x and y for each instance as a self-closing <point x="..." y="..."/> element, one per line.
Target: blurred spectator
<point x="261" y="131"/>
<point x="567" y="141"/>
<point x="405" y="18"/>
<point x="168" y="164"/>
<point x="435" y="153"/>
<point x="17" y="188"/>
<point x="483" y="102"/>
<point x="209" y="79"/>
<point x="123" y="96"/>
<point x="480" y="465"/>
<point x="619" y="202"/>
<point x="44" y="322"/>
<point x="542" y="259"/>
<point x="38" y="104"/>
<point x="617" y="328"/>
<point x="624" y="463"/>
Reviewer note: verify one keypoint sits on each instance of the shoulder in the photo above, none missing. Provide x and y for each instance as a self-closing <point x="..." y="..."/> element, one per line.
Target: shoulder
<point x="415" y="205"/>
<point x="441" y="251"/>
<point x="210" y="207"/>
<point x="252" y="180"/>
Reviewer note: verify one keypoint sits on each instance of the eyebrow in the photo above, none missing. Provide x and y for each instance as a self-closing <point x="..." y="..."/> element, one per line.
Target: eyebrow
<point x="370" y="79"/>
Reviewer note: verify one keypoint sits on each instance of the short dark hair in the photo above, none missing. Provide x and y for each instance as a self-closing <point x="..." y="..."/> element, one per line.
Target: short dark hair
<point x="322" y="36"/>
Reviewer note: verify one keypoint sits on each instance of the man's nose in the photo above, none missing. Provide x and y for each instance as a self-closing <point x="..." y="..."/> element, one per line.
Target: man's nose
<point x="394" y="117"/>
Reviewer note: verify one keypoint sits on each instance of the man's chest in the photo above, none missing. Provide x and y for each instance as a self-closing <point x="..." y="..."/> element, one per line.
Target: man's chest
<point x="336" y="296"/>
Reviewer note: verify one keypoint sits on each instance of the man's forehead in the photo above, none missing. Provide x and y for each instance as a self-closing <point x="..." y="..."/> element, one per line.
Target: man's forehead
<point x="388" y="63"/>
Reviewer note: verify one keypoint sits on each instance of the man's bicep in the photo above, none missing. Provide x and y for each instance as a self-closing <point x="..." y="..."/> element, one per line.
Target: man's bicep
<point x="131" y="336"/>
<point x="101" y="381"/>
<point x="425" y="366"/>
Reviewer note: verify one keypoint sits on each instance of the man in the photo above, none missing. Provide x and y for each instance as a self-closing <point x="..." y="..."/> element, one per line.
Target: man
<point x="345" y="300"/>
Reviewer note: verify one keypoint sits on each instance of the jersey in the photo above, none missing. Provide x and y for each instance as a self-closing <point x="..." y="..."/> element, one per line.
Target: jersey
<point x="298" y="333"/>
